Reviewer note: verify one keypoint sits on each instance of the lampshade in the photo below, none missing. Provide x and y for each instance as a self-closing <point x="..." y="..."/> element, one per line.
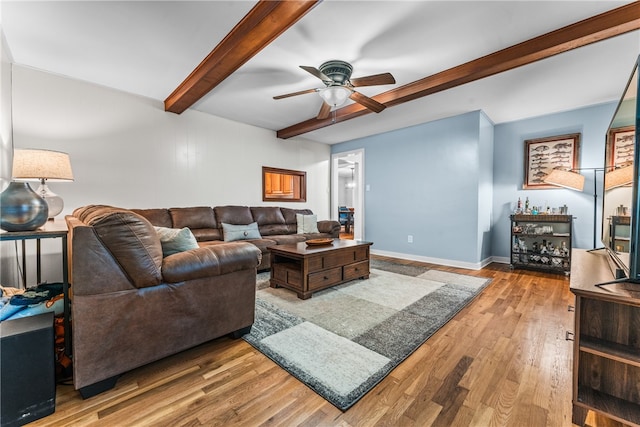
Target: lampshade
<point x="43" y="165"/>
<point x="335" y="95"/>
<point x="561" y="178"/>
<point x="39" y="164"/>
<point x="618" y="177"/>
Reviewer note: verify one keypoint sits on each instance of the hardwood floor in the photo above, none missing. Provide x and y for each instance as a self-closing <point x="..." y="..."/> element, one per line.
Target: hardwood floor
<point x="345" y="235"/>
<point x="502" y="361"/>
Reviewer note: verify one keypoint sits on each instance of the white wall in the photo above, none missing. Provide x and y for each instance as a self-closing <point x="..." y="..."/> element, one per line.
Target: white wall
<point x="6" y="151"/>
<point x="126" y="151"/>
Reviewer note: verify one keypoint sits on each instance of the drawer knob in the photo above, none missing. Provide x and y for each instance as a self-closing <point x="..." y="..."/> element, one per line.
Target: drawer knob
<point x="326" y="278"/>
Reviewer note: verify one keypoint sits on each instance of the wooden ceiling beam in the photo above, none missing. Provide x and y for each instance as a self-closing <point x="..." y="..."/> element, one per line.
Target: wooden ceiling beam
<point x="263" y="24"/>
<point x="597" y="28"/>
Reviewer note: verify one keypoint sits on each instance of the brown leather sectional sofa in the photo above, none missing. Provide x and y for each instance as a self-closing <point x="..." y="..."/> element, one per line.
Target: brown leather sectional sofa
<point x="131" y="305"/>
<point x="277" y="225"/>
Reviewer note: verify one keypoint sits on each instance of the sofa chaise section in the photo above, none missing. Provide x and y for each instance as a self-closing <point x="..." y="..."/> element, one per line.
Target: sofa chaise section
<point x="131" y="305"/>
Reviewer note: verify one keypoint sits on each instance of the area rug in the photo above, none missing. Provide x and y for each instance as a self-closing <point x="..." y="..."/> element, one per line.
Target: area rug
<point x="346" y="339"/>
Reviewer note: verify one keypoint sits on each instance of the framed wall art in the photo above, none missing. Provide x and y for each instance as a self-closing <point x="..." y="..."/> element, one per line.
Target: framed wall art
<point x="621" y="143"/>
<point x="543" y="155"/>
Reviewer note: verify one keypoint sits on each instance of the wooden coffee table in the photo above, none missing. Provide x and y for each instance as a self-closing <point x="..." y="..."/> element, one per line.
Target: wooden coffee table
<point x="307" y="269"/>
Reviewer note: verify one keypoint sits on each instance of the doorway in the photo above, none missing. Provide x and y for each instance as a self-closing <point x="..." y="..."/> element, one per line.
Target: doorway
<point x="347" y="195"/>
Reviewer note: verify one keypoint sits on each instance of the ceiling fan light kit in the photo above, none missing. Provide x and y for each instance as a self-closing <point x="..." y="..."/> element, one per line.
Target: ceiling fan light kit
<point x="335" y="95"/>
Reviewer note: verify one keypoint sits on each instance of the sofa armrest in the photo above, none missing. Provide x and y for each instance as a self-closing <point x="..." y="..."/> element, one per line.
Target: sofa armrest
<point x="92" y="268"/>
<point x="208" y="261"/>
<point x="329" y="226"/>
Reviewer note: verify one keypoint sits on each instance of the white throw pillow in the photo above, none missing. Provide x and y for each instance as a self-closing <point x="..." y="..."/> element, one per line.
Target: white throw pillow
<point x="307" y="223"/>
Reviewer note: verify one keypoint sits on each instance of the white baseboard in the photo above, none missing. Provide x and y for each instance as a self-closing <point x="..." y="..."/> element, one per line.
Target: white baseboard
<point x="501" y="259"/>
<point x="440" y="261"/>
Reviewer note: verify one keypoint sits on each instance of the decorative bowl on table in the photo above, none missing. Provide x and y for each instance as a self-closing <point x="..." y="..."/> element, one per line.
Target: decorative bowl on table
<point x="319" y="242"/>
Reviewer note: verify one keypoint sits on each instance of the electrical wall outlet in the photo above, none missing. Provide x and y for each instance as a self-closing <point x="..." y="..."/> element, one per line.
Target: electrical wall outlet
<point x="409" y="238"/>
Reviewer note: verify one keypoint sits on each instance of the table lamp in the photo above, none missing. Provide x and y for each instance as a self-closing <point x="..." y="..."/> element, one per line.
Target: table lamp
<point x="43" y="165"/>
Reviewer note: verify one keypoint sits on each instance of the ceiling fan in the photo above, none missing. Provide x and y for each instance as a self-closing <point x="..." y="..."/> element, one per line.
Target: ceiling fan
<point x="336" y="75"/>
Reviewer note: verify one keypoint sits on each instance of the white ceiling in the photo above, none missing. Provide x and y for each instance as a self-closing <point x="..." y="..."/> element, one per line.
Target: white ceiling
<point x="149" y="47"/>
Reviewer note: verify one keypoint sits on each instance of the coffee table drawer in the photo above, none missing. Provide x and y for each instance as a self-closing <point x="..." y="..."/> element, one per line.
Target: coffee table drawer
<point x="338" y="258"/>
<point x="354" y="271"/>
<point x="325" y="278"/>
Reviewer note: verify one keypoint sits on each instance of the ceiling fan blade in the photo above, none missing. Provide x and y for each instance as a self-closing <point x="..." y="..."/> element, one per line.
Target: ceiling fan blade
<point x="319" y="74"/>
<point x="371" y="104"/>
<point x="302" y="92"/>
<point x="324" y="112"/>
<point x="375" y="79"/>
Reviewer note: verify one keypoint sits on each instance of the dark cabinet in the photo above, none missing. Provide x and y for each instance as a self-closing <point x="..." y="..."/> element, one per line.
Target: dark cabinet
<point x="541" y="242"/>
<point x="606" y="355"/>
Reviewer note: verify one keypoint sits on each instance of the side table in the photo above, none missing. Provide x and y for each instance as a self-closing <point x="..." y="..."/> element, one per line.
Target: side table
<point x="50" y="230"/>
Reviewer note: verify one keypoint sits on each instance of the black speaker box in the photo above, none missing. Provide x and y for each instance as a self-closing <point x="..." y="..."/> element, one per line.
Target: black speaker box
<point x="27" y="369"/>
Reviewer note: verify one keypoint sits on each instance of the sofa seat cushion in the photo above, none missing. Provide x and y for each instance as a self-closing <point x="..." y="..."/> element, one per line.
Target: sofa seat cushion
<point x="287" y="239"/>
<point x="210" y="260"/>
<point x="211" y="243"/>
<point x="262" y="244"/>
<point x="205" y="234"/>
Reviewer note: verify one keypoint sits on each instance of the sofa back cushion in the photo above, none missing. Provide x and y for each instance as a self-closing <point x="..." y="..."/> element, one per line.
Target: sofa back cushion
<point x="157" y="217"/>
<point x="196" y="217"/>
<point x="130" y="238"/>
<point x="291" y="220"/>
<point x="270" y="220"/>
<point x="201" y="220"/>
<point x="238" y="215"/>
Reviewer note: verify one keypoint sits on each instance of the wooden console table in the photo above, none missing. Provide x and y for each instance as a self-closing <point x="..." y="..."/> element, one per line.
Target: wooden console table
<point x="606" y="355"/>
<point x="307" y="269"/>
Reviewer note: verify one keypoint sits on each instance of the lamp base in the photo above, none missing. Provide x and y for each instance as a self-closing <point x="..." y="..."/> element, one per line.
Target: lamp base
<point x="55" y="202"/>
<point x="21" y="209"/>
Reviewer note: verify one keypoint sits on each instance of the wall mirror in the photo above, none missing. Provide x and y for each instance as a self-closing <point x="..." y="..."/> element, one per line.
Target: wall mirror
<point x="283" y="185"/>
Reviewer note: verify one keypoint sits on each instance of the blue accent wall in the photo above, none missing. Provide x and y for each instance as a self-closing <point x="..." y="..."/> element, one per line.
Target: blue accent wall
<point x="424" y="181"/>
<point x="508" y="175"/>
<point x="453" y="183"/>
<point x="485" y="187"/>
